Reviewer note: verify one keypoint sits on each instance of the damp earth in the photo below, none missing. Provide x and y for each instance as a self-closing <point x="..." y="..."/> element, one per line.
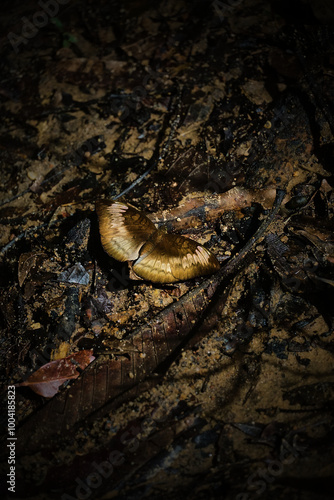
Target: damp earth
<point x="216" y="120"/>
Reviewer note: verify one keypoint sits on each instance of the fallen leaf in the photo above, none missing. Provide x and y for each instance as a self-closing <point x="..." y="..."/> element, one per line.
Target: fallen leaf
<point x="76" y="274"/>
<point x="47" y="379"/>
<point x="27" y="262"/>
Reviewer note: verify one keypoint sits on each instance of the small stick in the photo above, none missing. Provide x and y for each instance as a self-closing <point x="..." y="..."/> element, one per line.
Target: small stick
<point x="163" y="153"/>
<point x="234" y="262"/>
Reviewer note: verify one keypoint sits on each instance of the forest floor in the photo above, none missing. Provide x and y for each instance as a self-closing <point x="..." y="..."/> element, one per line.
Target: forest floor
<point x="219" y="387"/>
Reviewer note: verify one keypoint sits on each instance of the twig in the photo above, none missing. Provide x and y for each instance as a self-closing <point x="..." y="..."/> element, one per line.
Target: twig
<point x="19" y="237"/>
<point x="174" y="126"/>
<point x="137" y="181"/>
<point x="25" y="233"/>
<point x="233" y="263"/>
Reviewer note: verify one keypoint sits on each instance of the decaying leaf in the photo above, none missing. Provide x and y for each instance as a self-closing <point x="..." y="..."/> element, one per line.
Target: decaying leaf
<point x="27" y="262"/>
<point x="76" y="274"/>
<point x="47" y="379"/>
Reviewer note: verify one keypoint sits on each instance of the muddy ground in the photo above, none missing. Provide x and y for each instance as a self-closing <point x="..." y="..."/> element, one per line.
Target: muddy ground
<point x="201" y="114"/>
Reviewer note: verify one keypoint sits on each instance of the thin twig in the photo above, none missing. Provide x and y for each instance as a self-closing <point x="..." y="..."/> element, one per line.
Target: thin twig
<point x="26" y="233"/>
<point x="233" y="263"/>
<point x="174" y="126"/>
<point x="134" y="183"/>
<point x="19" y="237"/>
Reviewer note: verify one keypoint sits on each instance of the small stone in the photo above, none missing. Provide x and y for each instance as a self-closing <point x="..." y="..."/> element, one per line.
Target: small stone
<point x="32" y="175"/>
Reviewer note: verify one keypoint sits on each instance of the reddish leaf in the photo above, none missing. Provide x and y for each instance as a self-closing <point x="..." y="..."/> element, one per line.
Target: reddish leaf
<point x="47" y="379"/>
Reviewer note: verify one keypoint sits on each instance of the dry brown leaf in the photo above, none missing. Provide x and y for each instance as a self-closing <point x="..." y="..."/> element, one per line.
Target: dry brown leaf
<point x="27" y="262"/>
<point x="47" y="379"/>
